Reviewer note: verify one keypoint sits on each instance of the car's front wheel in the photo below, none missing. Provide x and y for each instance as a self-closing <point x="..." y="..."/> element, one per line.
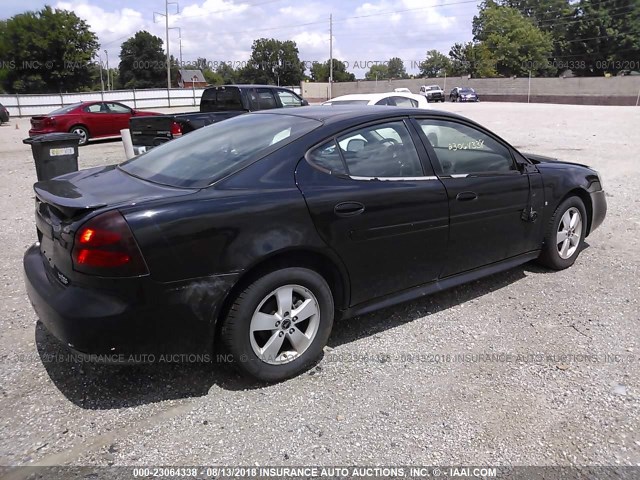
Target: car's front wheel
<point x="565" y="235"/>
<point x="278" y="325"/>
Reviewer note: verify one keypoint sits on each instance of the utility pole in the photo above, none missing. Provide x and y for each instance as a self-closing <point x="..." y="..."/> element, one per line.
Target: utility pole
<point x="101" y="77"/>
<point x="330" y="54"/>
<point x="108" y="81"/>
<point x="166" y="32"/>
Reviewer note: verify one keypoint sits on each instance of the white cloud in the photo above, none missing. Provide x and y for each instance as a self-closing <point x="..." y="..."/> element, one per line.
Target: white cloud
<point x="223" y="30"/>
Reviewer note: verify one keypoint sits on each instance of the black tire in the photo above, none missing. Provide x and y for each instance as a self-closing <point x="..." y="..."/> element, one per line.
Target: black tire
<point x="236" y="332"/>
<point x="550" y="256"/>
<point x="82" y="132"/>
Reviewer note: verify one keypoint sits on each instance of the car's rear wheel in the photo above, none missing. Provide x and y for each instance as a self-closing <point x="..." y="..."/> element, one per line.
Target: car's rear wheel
<point x="278" y="325"/>
<point x="82" y="132"/>
<point x="565" y="235"/>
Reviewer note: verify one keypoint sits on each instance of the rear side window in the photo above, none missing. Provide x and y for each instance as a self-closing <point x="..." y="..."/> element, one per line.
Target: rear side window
<point x="96" y="108"/>
<point x="215" y="151"/>
<point x="221" y="99"/>
<point x="266" y="100"/>
<point x="404" y="102"/>
<point x="327" y="157"/>
<point x="462" y="149"/>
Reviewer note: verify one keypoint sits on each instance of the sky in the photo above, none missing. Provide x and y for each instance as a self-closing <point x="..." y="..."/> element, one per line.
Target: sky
<point x="223" y="30"/>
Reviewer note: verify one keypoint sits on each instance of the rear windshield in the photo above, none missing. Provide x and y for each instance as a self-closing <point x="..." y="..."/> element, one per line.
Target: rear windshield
<point x="203" y="156"/>
<point x="219" y="99"/>
<point x="66" y="109"/>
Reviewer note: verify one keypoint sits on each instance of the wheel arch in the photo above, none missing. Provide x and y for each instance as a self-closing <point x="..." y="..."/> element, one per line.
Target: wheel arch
<point x="329" y="268"/>
<point x="79" y="124"/>
<point x="583" y="195"/>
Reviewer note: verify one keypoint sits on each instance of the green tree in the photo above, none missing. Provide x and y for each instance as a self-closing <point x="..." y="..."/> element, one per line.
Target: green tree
<point x="551" y="16"/>
<point x="471" y="59"/>
<point x="434" y="65"/>
<point x="605" y="37"/>
<point x="395" y="68"/>
<point x="516" y="44"/>
<point x="49" y="50"/>
<point x="142" y="62"/>
<point x="228" y="74"/>
<point x="273" y="62"/>
<point x="377" y="72"/>
<point x="320" y="72"/>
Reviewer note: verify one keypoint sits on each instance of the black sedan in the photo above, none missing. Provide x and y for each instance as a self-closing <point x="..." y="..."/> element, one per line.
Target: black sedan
<point x="263" y="229"/>
<point x="463" y="94"/>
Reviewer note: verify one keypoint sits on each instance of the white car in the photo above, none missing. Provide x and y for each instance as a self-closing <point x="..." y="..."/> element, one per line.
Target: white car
<point x="433" y="93"/>
<point x="402" y="90"/>
<point x="397" y="99"/>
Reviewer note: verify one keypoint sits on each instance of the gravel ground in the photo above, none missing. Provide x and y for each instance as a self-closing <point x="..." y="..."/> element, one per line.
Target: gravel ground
<point x="540" y="367"/>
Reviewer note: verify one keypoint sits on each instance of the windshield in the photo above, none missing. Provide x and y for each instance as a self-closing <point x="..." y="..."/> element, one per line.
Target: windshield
<point x="347" y="102"/>
<point x="66" y="109"/>
<point x="210" y="153"/>
<point x="467" y="90"/>
<point x="433" y="87"/>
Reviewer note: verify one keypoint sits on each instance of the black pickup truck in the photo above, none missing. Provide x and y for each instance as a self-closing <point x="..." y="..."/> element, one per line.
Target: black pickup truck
<point x="216" y="104"/>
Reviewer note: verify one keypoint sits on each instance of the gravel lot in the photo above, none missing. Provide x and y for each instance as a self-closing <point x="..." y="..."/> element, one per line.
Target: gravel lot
<point x="379" y="395"/>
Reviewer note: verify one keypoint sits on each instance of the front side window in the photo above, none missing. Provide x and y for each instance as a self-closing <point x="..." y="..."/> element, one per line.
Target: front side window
<point x="382" y="150"/>
<point x="461" y="149"/>
<point x="288" y="99"/>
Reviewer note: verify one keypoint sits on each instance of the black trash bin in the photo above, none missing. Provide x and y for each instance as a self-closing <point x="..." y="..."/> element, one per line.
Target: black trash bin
<point x="54" y="153"/>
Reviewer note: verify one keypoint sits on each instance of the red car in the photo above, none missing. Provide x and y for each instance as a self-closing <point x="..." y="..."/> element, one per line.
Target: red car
<point x="87" y="119"/>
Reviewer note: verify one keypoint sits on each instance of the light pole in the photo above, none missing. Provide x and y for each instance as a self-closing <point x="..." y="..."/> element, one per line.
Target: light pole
<point x="108" y="74"/>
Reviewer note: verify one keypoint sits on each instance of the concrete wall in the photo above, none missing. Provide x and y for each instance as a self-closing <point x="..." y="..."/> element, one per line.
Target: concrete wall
<point x="587" y="91"/>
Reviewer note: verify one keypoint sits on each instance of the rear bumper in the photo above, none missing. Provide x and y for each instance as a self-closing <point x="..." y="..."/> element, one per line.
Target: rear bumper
<point x="164" y="319"/>
<point x="599" y="207"/>
<point x="40" y="131"/>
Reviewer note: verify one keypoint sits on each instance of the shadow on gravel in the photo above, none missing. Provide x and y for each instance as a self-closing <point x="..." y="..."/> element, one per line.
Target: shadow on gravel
<point x="102" y="387"/>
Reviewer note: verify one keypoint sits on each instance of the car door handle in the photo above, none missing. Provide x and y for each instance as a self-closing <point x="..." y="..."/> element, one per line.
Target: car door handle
<point x="466" y="196"/>
<point x="348" y="209"/>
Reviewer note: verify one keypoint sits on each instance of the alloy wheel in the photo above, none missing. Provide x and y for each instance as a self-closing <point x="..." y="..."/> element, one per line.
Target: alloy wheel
<point x="569" y="233"/>
<point x="284" y="324"/>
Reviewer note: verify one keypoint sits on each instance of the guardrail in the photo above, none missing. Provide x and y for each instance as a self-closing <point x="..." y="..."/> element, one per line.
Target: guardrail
<point x="29" y="105"/>
<point x="40" y="104"/>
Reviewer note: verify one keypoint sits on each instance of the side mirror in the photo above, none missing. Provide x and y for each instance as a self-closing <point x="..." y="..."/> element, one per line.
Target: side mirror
<point x="304" y="103"/>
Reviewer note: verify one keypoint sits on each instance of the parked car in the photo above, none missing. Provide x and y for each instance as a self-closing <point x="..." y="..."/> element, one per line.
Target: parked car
<point x="395" y="99"/>
<point x="402" y="90"/>
<point x="216" y="104"/>
<point x="263" y="229"/>
<point x="89" y="120"/>
<point x="433" y="93"/>
<point x="4" y="114"/>
<point x="463" y="94"/>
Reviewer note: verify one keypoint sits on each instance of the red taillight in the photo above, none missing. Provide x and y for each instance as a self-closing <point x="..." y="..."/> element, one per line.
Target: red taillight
<point x="105" y="246"/>
<point x="176" y="129"/>
<point x="49" y="122"/>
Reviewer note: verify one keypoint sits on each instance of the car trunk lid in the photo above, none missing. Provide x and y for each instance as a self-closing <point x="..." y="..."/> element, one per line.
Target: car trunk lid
<point x="63" y="204"/>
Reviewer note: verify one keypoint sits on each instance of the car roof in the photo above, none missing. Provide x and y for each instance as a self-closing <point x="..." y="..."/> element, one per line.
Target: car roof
<point x="365" y="113"/>
<point x="245" y="86"/>
<point x="366" y="96"/>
